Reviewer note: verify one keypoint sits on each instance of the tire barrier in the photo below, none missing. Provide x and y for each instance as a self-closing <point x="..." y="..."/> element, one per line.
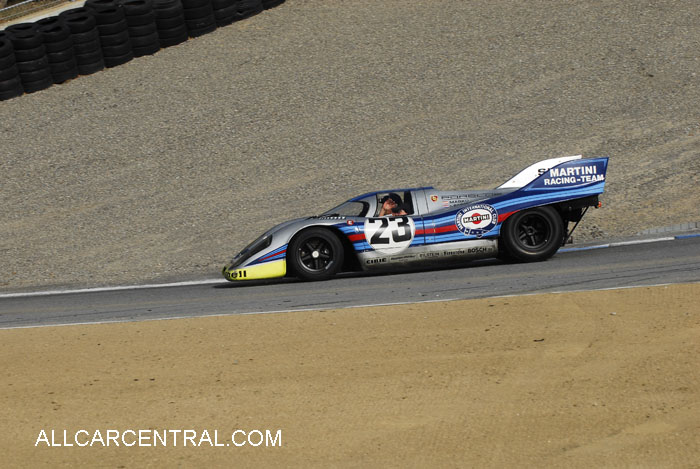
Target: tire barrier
<point x="248" y="8"/>
<point x="143" y="31"/>
<point x="10" y="83"/>
<point x="170" y="22"/>
<point x="272" y="3"/>
<point x="199" y="17"/>
<point x="86" y="39"/>
<point x="59" y="49"/>
<point x="113" y="31"/>
<point x="106" y="33"/>
<point x="30" y="57"/>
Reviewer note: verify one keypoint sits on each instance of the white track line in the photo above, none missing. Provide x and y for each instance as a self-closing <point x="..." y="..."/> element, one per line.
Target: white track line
<point x="118" y="288"/>
<point x="371" y="305"/>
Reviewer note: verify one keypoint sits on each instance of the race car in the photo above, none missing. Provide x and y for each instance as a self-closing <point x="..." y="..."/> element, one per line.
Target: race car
<point x="525" y="219"/>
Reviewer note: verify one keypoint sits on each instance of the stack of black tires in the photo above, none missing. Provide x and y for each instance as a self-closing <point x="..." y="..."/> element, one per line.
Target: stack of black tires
<point x="113" y="31"/>
<point x="170" y="22"/>
<point x="86" y="39"/>
<point x="106" y="33"/>
<point x="30" y="56"/>
<point x="58" y="43"/>
<point x="10" y="83"/>
<point x="141" y="22"/>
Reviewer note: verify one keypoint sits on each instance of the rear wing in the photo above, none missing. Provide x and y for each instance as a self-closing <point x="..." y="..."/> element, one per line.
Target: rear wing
<point x="579" y="175"/>
<point x="533" y="171"/>
<point x="574" y="179"/>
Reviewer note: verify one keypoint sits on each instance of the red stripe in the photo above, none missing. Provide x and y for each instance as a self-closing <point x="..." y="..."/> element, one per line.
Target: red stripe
<point x="356" y="237"/>
<point x="503" y="216"/>
<point x="271" y="255"/>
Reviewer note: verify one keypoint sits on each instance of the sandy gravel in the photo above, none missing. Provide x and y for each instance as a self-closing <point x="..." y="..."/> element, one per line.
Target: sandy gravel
<point x="601" y="379"/>
<point x="168" y="165"/>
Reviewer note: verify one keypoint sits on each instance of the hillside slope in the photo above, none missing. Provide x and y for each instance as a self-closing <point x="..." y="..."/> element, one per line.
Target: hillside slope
<point x="168" y="165"/>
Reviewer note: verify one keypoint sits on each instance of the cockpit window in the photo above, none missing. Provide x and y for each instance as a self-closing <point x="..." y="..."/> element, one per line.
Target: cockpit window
<point x="392" y="204"/>
<point x="349" y="209"/>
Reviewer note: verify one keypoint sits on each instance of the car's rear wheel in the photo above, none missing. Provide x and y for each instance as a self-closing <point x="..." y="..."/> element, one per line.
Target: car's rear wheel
<point x="532" y="235"/>
<point x="315" y="254"/>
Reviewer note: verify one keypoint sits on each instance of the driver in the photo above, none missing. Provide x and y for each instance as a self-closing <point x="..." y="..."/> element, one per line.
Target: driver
<point x="389" y="203"/>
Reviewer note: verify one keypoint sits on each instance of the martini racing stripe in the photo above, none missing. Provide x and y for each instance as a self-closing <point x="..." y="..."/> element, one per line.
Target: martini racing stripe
<point x="277" y="254"/>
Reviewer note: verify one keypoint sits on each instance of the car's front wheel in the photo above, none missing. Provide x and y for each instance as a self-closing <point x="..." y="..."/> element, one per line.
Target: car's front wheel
<point x="315" y="254"/>
<point x="532" y="235"/>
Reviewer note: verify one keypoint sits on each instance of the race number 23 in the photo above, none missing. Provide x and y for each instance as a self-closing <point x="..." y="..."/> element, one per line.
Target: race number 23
<point x="395" y="232"/>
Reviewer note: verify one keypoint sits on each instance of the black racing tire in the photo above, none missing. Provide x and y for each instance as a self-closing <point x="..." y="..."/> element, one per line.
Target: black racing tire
<point x="6" y="47"/>
<point x="225" y="12"/>
<point x="62" y="77"/>
<point x="196" y="32"/>
<point x="53" y="31"/>
<point x="147" y="50"/>
<point x="200" y="22"/>
<point x="89" y="58"/>
<point x="143" y="30"/>
<point x="34" y="75"/>
<point x="38" y="85"/>
<point x="61" y="67"/>
<point x="113" y="28"/>
<point x="140" y="20"/>
<point x="82" y="37"/>
<point x="219" y="4"/>
<point x="272" y="3"/>
<point x="25" y="35"/>
<point x="101" y="5"/>
<point x="175" y="39"/>
<point x="137" y="7"/>
<point x="226" y="20"/>
<point x="11" y="93"/>
<point x="61" y="56"/>
<point x="10" y="84"/>
<point x="79" y="20"/>
<point x="82" y="48"/>
<point x="189" y="4"/>
<point x="114" y="39"/>
<point x="91" y="67"/>
<point x="167" y="9"/>
<point x="29" y="66"/>
<point x="27" y="55"/>
<point x="113" y="61"/>
<point x="532" y="235"/>
<point x="59" y="46"/>
<point x="8" y="73"/>
<point x="7" y="62"/>
<point x="199" y="12"/>
<point x="116" y="51"/>
<point x="315" y="254"/>
<point x="145" y="41"/>
<point x="170" y="23"/>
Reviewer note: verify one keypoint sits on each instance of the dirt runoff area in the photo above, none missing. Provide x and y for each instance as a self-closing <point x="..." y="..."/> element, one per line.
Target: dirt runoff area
<point x="580" y="379"/>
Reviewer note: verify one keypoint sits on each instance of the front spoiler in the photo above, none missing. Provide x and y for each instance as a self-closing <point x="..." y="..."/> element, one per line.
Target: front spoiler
<point x="272" y="269"/>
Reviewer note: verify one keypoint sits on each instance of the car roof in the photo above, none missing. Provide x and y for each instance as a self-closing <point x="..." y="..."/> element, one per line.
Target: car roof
<point x="368" y="194"/>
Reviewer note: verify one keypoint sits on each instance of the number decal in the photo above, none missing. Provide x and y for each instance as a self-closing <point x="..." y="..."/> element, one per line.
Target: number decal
<point x="390" y="234"/>
<point x="403" y="223"/>
<point x="377" y="237"/>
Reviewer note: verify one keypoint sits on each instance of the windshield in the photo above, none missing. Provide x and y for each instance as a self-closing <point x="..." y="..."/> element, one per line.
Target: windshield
<point x="349" y="209"/>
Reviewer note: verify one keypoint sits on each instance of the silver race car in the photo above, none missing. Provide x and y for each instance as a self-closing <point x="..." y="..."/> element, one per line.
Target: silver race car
<point x="525" y="219"/>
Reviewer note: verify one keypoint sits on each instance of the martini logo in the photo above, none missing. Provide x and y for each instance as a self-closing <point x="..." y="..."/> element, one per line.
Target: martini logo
<point x="476" y="220"/>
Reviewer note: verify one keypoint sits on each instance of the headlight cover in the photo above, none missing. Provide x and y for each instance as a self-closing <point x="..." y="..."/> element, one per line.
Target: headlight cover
<point x="250" y="250"/>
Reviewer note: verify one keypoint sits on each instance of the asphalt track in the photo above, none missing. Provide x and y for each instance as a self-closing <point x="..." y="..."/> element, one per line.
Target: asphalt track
<point x="665" y="262"/>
